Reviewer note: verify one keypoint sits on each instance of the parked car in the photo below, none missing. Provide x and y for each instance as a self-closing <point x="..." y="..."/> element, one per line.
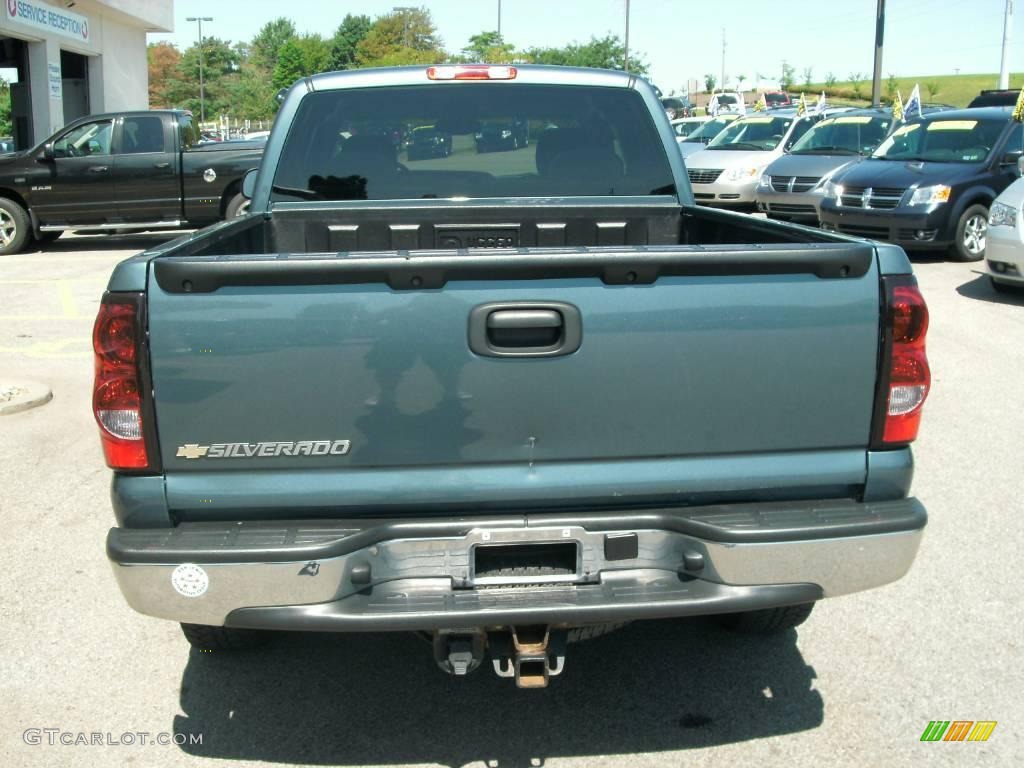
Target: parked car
<point x="501" y="136"/>
<point x="727" y="171"/>
<point x="676" y="107"/>
<point x="125" y="170"/>
<point x="792" y="187"/>
<point x="699" y="139"/>
<point x="929" y="185"/>
<point x="633" y="408"/>
<point x="685" y="126"/>
<point x="775" y="99"/>
<point x="995" y="98"/>
<point x="1004" y="247"/>
<point x="730" y="102"/>
<point x="426" y="141"/>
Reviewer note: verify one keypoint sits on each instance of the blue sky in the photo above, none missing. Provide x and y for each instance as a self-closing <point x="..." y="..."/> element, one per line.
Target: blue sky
<point x="682" y="39"/>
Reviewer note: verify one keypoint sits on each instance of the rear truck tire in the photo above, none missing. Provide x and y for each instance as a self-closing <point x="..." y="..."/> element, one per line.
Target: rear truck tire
<point x="768" y="620"/>
<point x="206" y="638"/>
<point x="237" y="206"/>
<point x="970" y="234"/>
<point x="15" y="227"/>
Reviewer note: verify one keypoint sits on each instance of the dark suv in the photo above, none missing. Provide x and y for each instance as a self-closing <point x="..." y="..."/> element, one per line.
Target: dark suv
<point x="929" y="185"/>
<point x="995" y="98"/>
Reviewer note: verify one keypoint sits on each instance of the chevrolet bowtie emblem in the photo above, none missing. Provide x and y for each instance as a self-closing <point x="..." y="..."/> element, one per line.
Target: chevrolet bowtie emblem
<point x="192" y="451"/>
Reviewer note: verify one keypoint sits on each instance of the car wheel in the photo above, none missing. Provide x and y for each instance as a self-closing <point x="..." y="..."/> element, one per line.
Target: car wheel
<point x="15" y="227"/>
<point x="237" y="206"/>
<point x="207" y="638"/>
<point x="971" y="232"/>
<point x="767" y="620"/>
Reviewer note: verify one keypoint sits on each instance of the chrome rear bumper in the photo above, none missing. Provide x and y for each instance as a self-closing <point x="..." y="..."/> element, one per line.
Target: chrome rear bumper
<point x="420" y="574"/>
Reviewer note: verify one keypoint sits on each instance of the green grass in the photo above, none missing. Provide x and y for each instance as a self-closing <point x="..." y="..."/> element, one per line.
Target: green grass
<point x="956" y="90"/>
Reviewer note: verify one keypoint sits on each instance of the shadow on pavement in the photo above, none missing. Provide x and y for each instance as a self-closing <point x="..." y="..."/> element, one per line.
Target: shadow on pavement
<point x="377" y="699"/>
<point x="980" y="288"/>
<point x="82" y="243"/>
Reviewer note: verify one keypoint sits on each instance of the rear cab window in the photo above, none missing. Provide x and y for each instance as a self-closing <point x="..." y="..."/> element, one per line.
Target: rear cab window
<point x="472" y="140"/>
<point x="142" y="134"/>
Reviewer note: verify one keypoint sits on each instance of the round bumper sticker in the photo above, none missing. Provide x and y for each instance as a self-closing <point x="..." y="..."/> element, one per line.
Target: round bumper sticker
<point x="190" y="580"/>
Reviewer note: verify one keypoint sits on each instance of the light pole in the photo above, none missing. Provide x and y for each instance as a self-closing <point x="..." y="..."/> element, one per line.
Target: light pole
<point x="499" y="21"/>
<point x="202" y="94"/>
<point x="625" y="43"/>
<point x="404" y="10"/>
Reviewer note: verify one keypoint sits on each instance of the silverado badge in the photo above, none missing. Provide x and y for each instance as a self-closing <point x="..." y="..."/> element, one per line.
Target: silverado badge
<point x="264" y="450"/>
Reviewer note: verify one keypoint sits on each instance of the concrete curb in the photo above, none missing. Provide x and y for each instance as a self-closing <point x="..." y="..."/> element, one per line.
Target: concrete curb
<point x="20" y="396"/>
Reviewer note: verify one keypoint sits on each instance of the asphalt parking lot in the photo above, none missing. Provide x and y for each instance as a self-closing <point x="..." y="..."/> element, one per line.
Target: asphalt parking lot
<point x="856" y="685"/>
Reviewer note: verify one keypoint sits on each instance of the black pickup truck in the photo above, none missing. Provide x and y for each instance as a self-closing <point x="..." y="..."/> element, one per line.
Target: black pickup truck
<point x="128" y="170"/>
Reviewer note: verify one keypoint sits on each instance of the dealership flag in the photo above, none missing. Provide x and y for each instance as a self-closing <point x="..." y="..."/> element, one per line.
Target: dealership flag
<point x="897" y="108"/>
<point x="801" y="108"/>
<point x="1018" y="111"/>
<point x="761" y="105"/>
<point x="713" y="105"/>
<point x="741" y="107"/>
<point x="819" y="108"/>
<point x="913" y="102"/>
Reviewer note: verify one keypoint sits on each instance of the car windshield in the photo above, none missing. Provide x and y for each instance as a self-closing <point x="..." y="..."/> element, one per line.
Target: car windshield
<point x="754" y="133"/>
<point x="686" y="127"/>
<point x="776" y="98"/>
<point x="725" y="99"/>
<point x="942" y="141"/>
<point x="710" y="129"/>
<point x="471" y="140"/>
<point x="844" y="135"/>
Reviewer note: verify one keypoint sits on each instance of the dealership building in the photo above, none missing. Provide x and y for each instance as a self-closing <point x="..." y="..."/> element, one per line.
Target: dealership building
<point x="68" y="58"/>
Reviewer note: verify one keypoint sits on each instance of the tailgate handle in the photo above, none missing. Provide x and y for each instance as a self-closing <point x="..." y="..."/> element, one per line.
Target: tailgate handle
<point x="525" y="329"/>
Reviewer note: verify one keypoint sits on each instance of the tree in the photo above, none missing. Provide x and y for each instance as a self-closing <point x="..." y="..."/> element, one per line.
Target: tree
<point x="709" y="82"/>
<point x="488" y="47"/>
<point x="163" y="61"/>
<point x="405" y="36"/>
<point x="266" y="46"/>
<point x="808" y="76"/>
<point x="290" y="65"/>
<point x="788" y="78"/>
<point x="346" y="39"/>
<point x="891" y="86"/>
<point x="316" y="54"/>
<point x="251" y="95"/>
<point x="606" y="52"/>
<point x="220" y="63"/>
<point x="6" y="127"/>
<point x="831" y="80"/>
<point x="740" y="79"/>
<point x="932" y="86"/>
<point x="856" y="85"/>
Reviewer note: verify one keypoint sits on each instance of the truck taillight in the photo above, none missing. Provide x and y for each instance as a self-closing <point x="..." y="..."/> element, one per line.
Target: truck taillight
<point x="471" y="72"/>
<point x="904" y="378"/>
<point x="118" y="398"/>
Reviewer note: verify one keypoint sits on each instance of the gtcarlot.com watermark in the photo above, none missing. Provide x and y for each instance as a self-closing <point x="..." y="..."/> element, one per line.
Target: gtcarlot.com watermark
<point x="52" y="737"/>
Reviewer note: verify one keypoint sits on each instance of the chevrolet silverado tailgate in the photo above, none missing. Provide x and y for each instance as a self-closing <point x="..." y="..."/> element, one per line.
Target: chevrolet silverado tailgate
<point x="576" y="374"/>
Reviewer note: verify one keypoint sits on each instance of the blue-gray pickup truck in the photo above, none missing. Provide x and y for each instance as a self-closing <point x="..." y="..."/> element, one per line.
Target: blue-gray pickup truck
<point x="508" y="400"/>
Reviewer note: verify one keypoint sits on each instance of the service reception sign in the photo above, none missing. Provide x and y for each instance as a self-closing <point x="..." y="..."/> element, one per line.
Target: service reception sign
<point x="46" y="18"/>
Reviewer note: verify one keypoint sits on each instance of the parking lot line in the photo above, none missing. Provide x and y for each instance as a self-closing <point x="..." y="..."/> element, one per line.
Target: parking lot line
<point x="67" y="300"/>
